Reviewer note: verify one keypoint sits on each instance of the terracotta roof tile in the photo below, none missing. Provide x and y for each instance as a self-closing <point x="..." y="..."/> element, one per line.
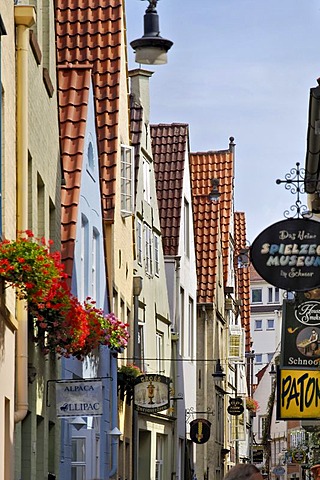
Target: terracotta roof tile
<point x="242" y="276"/>
<point x="209" y="217"/>
<point x="89" y="31"/>
<point x="73" y="98"/>
<point x="169" y="147"/>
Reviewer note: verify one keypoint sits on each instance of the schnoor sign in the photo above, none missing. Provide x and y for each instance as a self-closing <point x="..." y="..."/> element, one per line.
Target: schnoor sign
<point x="287" y="254"/>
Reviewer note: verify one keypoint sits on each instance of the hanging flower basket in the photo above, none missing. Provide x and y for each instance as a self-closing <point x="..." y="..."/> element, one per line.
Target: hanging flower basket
<point x="27" y="264"/>
<point x="252" y="405"/>
<point x="62" y="324"/>
<point x="126" y="381"/>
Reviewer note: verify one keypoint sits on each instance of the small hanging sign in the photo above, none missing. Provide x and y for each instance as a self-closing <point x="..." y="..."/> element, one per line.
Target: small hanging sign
<point x="200" y="430"/>
<point x="235" y="406"/>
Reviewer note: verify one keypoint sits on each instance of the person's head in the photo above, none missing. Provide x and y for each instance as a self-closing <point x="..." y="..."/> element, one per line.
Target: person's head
<point x="244" y="471"/>
<point x="315" y="471"/>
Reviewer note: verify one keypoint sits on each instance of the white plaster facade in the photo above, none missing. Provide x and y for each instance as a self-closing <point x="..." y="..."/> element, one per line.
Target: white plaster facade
<point x="155" y="448"/>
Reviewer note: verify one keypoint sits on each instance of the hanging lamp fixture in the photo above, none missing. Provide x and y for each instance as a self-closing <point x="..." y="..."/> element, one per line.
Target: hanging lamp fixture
<point x="151" y="48"/>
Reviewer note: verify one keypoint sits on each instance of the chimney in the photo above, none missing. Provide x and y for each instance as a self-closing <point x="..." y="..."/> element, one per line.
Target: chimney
<point x="140" y="89"/>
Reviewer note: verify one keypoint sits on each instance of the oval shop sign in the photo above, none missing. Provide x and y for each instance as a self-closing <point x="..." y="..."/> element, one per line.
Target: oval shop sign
<point x="287" y="254"/>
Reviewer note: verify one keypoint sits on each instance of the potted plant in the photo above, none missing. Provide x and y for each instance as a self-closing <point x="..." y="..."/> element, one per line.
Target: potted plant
<point x="126" y="380"/>
<point x="252" y="405"/>
<point x="62" y="324"/>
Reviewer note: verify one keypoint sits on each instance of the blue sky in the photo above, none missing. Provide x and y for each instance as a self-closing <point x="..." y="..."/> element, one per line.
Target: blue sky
<point x="240" y="68"/>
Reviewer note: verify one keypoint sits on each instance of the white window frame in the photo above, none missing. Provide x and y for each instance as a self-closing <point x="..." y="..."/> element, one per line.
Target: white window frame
<point x="272" y="324"/>
<point x="148" y="250"/>
<point x="95" y="264"/>
<point x="236" y="343"/>
<point x="139" y="251"/>
<point x="256" y="290"/>
<point x="159" y="351"/>
<point x="146" y="180"/>
<point x="258" y="359"/>
<point x="79" y="463"/>
<point x="127" y="180"/>
<point x="186" y="228"/>
<point x="156" y="246"/>
<point x="256" y="325"/>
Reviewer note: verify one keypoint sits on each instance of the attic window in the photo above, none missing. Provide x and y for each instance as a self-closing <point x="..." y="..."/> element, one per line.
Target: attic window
<point x="236" y="342"/>
<point x="127" y="181"/>
<point x="90" y="157"/>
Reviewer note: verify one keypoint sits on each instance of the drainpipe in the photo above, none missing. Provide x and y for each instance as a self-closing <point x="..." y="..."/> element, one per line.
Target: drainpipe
<point x="24" y="18"/>
<point x="114" y="417"/>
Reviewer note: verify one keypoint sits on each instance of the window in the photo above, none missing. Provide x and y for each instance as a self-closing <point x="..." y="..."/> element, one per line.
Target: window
<point x="235" y="341"/>
<point x="90" y="160"/>
<point x="273" y="294"/>
<point x="127" y="181"/>
<point x="258" y="358"/>
<point x="159" y="457"/>
<point x="159" y="351"/>
<point x="95" y="263"/>
<point x="84" y="247"/>
<point x="148" y="243"/>
<point x="256" y="295"/>
<point x="262" y="425"/>
<point x="270" y="324"/>
<point x="182" y="331"/>
<point x="139" y="242"/>
<point x="189" y="351"/>
<point x="258" y="324"/>
<point x="156" y="243"/>
<point x="270" y="357"/>
<point x="78" y="459"/>
<point x="186" y="228"/>
<point x="146" y="180"/>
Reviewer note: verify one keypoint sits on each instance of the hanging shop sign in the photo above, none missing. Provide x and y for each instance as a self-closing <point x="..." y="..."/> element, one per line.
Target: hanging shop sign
<point x="79" y="398"/>
<point x="300" y="340"/>
<point x="200" y="430"/>
<point x="298" y="394"/>
<point x="235" y="406"/>
<point x="257" y="454"/>
<point x="151" y="393"/>
<point x="287" y="254"/>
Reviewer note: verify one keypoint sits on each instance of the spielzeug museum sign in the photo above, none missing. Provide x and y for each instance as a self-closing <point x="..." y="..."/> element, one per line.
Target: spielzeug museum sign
<point x="287" y="255"/>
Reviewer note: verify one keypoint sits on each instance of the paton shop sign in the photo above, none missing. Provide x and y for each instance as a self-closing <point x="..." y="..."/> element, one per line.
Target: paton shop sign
<point x="287" y="254"/>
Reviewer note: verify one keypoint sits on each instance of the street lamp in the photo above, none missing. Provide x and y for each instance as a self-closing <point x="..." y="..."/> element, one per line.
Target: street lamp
<point x="151" y="48"/>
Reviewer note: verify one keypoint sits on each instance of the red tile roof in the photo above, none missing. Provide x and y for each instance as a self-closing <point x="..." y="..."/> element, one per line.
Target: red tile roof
<point x="73" y="97"/>
<point x="211" y="218"/>
<point x="170" y="146"/>
<point x="242" y="276"/>
<point x="90" y="31"/>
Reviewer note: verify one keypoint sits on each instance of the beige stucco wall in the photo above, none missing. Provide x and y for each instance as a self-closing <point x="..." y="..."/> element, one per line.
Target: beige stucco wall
<point x="7" y="321"/>
<point x="38" y="435"/>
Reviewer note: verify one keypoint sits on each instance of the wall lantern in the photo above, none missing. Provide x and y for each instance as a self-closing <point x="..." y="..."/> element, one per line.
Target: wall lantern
<point x="151" y="48"/>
